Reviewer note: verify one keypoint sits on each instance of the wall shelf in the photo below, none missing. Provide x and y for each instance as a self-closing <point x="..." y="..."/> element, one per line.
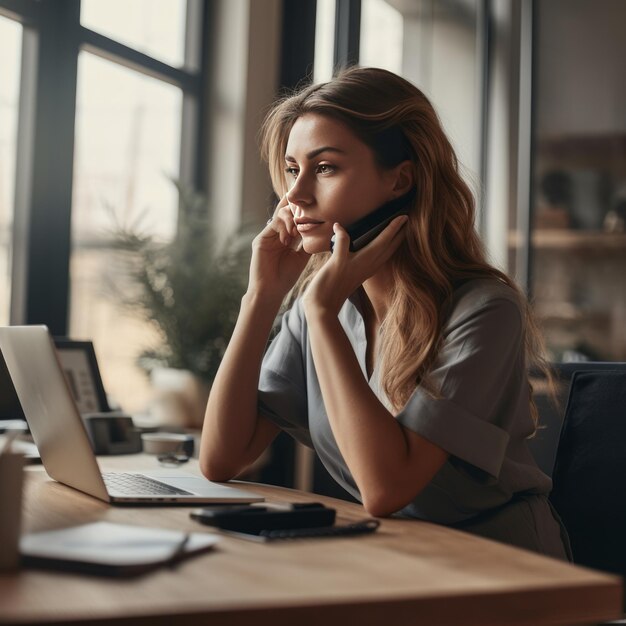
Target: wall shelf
<point x="606" y="152"/>
<point x="564" y="239"/>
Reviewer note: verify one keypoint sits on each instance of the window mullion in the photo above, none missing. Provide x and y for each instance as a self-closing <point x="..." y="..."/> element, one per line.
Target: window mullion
<point x="45" y="151"/>
<point x="347" y="32"/>
<point x="193" y="141"/>
<point x="117" y="52"/>
<point x="23" y="11"/>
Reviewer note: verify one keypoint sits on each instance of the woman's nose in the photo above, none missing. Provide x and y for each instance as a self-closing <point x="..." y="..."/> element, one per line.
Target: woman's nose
<point x="299" y="194"/>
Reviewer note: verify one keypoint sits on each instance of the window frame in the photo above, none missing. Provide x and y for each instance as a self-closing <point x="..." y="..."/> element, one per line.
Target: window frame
<point x="347" y="33"/>
<point x="52" y="40"/>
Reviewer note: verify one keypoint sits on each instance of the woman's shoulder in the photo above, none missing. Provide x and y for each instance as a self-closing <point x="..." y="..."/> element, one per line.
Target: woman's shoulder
<point x="482" y="294"/>
<point x="482" y="290"/>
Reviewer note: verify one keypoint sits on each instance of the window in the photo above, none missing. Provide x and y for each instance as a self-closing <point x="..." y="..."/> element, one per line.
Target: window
<point x="10" y="65"/>
<point x="434" y="45"/>
<point x="127" y="145"/>
<point x="154" y="27"/>
<point x="104" y="120"/>
<point x="324" y="40"/>
<point x="382" y="32"/>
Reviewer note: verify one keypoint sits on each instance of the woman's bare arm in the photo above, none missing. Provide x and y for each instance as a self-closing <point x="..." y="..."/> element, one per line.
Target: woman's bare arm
<point x="234" y="435"/>
<point x="390" y="463"/>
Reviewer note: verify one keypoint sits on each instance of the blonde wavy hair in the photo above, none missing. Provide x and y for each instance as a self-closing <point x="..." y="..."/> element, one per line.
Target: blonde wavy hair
<point x="441" y="248"/>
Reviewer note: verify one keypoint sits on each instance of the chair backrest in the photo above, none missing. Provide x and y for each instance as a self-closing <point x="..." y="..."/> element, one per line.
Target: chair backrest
<point x="590" y="472"/>
<point x="544" y="444"/>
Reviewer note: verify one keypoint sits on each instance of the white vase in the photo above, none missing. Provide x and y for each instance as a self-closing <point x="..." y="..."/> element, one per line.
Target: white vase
<point x="179" y="398"/>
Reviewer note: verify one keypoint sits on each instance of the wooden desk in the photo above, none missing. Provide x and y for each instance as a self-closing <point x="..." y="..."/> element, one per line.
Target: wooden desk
<point x="409" y="572"/>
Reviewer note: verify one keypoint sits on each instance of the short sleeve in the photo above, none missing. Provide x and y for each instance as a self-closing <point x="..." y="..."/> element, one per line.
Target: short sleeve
<point x="282" y="394"/>
<point x="479" y="378"/>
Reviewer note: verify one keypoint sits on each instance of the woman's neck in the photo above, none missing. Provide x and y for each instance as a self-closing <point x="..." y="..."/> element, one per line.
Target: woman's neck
<point x="376" y="289"/>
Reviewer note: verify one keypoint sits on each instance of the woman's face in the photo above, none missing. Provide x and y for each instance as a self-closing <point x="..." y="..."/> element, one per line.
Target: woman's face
<point x="332" y="177"/>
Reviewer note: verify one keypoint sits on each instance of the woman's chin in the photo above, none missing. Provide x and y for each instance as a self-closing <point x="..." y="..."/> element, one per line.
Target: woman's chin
<point x="311" y="246"/>
<point x="314" y="244"/>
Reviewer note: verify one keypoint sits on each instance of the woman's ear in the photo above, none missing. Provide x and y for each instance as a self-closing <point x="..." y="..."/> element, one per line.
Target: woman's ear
<point x="404" y="179"/>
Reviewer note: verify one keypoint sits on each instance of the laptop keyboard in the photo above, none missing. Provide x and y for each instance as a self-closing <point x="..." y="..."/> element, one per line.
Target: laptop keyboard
<point x="139" y="485"/>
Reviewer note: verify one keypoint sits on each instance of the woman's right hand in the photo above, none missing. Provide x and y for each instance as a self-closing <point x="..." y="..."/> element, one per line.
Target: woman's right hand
<point x="277" y="256"/>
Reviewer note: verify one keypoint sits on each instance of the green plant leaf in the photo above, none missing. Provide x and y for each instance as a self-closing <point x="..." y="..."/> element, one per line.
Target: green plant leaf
<point x="189" y="289"/>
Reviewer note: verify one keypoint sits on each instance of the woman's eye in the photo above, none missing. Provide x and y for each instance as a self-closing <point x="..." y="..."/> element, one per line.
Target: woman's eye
<point x="324" y="168"/>
<point x="292" y="171"/>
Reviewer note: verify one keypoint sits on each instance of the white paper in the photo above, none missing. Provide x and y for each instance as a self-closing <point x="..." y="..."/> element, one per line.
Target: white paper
<point x="112" y="544"/>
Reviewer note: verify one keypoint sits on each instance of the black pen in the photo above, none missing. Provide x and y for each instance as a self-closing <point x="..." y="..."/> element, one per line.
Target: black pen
<point x="179" y="551"/>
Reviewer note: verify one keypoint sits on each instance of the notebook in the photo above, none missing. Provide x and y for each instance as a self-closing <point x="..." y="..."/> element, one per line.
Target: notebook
<point x="111" y="549"/>
<point x="59" y="433"/>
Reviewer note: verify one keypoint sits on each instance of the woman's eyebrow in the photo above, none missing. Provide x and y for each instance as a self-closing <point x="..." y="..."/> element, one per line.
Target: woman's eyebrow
<point x="314" y="153"/>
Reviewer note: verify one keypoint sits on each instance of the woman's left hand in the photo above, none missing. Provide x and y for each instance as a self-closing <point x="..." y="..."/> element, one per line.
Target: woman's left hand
<point x="345" y="271"/>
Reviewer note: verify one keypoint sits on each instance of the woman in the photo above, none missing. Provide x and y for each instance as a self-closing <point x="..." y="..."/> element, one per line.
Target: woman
<point x="404" y="365"/>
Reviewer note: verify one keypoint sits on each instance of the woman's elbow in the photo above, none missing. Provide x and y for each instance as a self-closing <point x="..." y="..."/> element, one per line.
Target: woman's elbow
<point x="386" y="501"/>
<point x="214" y="472"/>
<point x="375" y="510"/>
<point x="379" y="505"/>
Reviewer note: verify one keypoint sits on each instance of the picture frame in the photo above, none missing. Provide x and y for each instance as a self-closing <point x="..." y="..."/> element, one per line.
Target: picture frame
<point x="80" y="366"/>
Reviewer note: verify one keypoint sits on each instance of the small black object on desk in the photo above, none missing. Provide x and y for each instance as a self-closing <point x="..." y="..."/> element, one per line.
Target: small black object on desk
<point x="269" y="522"/>
<point x="254" y="519"/>
<point x="112" y="433"/>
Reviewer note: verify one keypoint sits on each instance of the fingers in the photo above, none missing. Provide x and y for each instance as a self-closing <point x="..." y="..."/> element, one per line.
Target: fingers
<point x="297" y="245"/>
<point x="395" y="226"/>
<point x="282" y="223"/>
<point x="382" y="246"/>
<point x="391" y="235"/>
<point x="341" y="241"/>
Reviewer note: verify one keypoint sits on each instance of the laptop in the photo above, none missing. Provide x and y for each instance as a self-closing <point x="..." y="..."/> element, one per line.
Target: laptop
<point x="60" y="435"/>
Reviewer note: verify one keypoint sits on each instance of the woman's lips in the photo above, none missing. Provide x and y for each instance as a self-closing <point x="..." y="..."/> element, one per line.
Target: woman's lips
<point x="305" y="227"/>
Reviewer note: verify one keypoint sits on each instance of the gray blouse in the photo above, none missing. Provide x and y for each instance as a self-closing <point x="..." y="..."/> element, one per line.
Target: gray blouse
<point x="481" y="416"/>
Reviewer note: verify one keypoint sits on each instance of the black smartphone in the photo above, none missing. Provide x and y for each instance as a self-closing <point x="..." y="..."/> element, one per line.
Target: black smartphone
<point x="367" y="228"/>
<point x="256" y="518"/>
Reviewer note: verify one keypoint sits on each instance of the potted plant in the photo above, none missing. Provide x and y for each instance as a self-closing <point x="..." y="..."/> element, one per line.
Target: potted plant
<point x="189" y="289"/>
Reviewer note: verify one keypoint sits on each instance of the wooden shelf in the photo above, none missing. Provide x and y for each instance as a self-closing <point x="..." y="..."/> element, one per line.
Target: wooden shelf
<point x="563" y="239"/>
<point x="602" y="151"/>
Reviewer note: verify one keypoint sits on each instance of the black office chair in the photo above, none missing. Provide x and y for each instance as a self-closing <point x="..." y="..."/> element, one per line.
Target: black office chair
<point x="590" y="472"/>
<point x="544" y="444"/>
